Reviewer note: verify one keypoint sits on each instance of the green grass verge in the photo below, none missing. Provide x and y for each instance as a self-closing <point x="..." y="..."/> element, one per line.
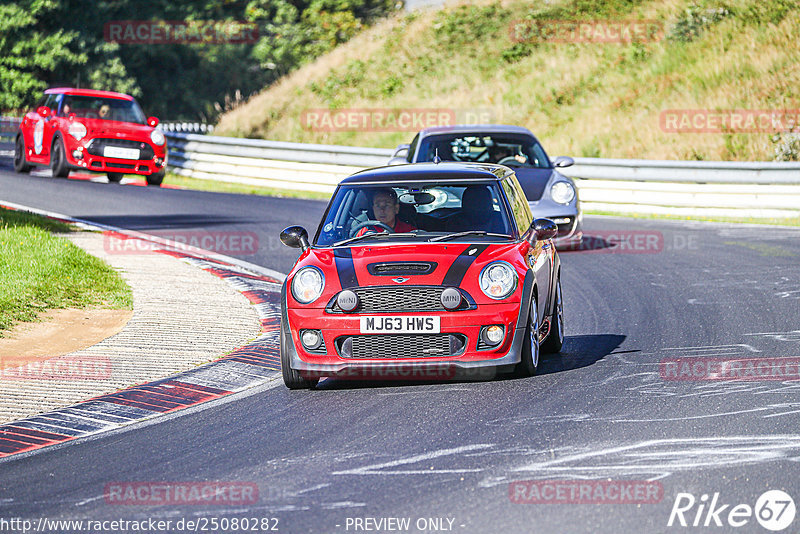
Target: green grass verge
<point x="41" y="271"/>
<point x="791" y="221"/>
<point x="243" y="189"/>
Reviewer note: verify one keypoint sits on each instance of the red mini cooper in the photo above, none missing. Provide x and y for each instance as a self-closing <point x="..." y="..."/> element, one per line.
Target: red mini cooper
<point x="422" y="271"/>
<point x="100" y="131"/>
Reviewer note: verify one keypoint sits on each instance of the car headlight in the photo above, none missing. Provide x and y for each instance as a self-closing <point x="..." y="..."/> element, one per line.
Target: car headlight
<point x="157" y="137"/>
<point x="498" y="280"/>
<point x="307" y="284"/>
<point x="77" y="130"/>
<point x="562" y="192"/>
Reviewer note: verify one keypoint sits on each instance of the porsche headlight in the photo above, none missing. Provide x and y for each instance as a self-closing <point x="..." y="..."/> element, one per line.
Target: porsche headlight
<point x="157" y="137"/>
<point x="77" y="130"/>
<point x="498" y="280"/>
<point x="562" y="192"/>
<point x="307" y="284"/>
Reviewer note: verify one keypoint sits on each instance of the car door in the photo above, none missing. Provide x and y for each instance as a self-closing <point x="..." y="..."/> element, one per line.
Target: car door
<point x="540" y="256"/>
<point x="51" y="123"/>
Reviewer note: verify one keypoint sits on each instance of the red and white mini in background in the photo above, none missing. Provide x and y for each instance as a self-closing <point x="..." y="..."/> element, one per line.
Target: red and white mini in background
<point x="94" y="131"/>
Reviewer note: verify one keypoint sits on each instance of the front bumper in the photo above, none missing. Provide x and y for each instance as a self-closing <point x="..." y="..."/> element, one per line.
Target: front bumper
<point x="470" y="362"/>
<point x="80" y="157"/>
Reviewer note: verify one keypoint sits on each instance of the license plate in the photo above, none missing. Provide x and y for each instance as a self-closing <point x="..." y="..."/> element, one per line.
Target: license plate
<point x="122" y="153"/>
<point x="400" y="325"/>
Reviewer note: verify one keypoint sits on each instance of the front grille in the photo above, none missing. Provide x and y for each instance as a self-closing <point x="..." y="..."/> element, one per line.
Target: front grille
<point x="399" y="268"/>
<point x="566" y="228"/>
<point x="394" y="346"/>
<point x="98" y="144"/>
<point x="401" y="299"/>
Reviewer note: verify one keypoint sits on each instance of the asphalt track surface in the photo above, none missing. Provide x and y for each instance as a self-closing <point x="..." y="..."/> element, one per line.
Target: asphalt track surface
<point x="601" y="410"/>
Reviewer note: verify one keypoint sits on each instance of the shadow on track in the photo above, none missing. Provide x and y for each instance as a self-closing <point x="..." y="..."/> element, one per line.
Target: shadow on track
<point x="579" y="351"/>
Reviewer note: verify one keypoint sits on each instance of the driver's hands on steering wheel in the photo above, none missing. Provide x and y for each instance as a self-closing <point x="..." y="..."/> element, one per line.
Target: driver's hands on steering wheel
<point x="367" y="224"/>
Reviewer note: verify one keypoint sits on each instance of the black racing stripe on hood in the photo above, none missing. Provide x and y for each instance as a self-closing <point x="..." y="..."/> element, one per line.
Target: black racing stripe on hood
<point x="460" y="265"/>
<point x="345" y="267"/>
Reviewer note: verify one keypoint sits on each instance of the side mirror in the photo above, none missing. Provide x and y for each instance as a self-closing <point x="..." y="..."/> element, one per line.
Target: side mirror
<point x="295" y="237"/>
<point x="152" y="121"/>
<point x="563" y="161"/>
<point x="43" y="111"/>
<point x="401" y="151"/>
<point x="543" y="229"/>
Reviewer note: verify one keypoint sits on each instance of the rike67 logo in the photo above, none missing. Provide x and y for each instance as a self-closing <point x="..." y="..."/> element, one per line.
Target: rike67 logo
<point x="774" y="510"/>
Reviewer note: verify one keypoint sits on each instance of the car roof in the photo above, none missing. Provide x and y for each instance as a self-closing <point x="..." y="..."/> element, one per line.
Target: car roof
<point x="430" y="172"/>
<point x="87" y="92"/>
<point x="475" y="128"/>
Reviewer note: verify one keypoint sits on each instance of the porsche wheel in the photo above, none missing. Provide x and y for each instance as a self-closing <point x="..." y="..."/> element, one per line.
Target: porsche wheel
<point x="555" y="339"/>
<point x="20" y="164"/>
<point x="530" y="347"/>
<point x="58" y="160"/>
<point x="292" y="378"/>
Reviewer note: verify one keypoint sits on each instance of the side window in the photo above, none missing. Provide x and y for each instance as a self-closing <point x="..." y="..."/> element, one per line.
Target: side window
<point x="51" y="102"/>
<point x="519" y="204"/>
<point x="412" y="149"/>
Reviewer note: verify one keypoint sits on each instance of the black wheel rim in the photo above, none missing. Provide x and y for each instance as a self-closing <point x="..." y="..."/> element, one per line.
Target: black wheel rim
<point x="56" y="156"/>
<point x="534" y="335"/>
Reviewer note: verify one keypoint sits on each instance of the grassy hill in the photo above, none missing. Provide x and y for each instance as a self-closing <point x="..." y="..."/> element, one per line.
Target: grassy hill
<point x="580" y="99"/>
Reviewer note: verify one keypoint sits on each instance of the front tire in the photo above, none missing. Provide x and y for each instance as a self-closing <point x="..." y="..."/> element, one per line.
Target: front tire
<point x="529" y="362"/>
<point x="114" y="177"/>
<point x="20" y="164"/>
<point x="555" y="339"/>
<point x="58" y="160"/>
<point x="292" y="378"/>
<point x="156" y="178"/>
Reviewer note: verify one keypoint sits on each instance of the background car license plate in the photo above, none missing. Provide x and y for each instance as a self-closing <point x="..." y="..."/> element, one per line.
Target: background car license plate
<point x="123" y="153"/>
<point x="400" y="325"/>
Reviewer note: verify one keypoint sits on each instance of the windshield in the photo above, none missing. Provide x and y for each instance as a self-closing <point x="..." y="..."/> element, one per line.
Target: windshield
<point x="514" y="150"/>
<point x="416" y="213"/>
<point x="111" y="109"/>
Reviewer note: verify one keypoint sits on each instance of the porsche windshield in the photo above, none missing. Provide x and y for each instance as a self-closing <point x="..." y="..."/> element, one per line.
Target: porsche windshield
<point x="416" y="213"/>
<point x="513" y="150"/>
<point x="111" y="109"/>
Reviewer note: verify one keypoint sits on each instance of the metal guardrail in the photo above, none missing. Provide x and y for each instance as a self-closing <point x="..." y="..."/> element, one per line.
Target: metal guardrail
<point x="690" y="188"/>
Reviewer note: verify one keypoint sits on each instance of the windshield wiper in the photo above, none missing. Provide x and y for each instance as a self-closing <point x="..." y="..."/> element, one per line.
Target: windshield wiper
<point x="372" y="234"/>
<point x="469" y="232"/>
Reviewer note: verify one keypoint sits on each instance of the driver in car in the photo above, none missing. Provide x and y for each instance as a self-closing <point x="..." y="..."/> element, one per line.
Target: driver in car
<point x="386" y="206"/>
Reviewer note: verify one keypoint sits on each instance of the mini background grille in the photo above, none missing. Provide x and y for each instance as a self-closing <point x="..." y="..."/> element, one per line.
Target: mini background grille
<point x="399" y="268"/>
<point x="98" y="145"/>
<point x="388" y="346"/>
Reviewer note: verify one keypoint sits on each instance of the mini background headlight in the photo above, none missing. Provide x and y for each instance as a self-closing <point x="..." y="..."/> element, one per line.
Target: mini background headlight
<point x="77" y="130"/>
<point x="562" y="192"/>
<point x="307" y="284"/>
<point x="157" y="137"/>
<point x="498" y="280"/>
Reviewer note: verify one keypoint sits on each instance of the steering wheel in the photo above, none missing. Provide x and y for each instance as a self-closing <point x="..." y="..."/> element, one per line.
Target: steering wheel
<point x="510" y="161"/>
<point x="364" y="224"/>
